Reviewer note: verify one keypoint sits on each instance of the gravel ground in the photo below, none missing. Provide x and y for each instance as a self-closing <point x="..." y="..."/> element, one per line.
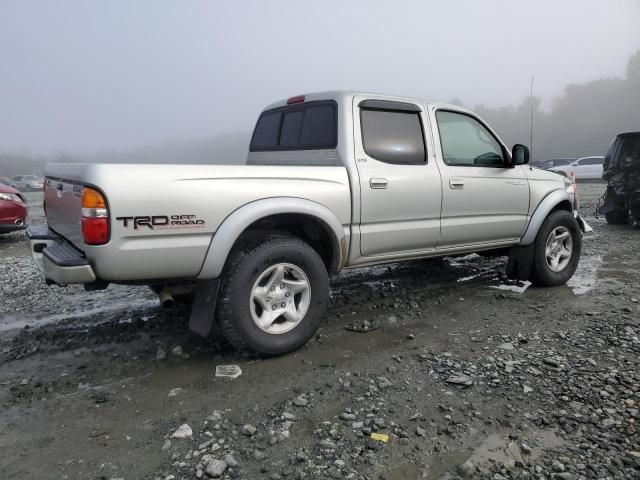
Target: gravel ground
<point x="460" y="374"/>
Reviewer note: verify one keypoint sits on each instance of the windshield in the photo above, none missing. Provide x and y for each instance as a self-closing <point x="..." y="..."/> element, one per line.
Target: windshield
<point x="630" y="148"/>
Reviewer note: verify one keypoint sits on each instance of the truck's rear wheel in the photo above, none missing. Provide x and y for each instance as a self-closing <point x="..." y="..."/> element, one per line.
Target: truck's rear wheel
<point x="556" y="250"/>
<point x="273" y="296"/>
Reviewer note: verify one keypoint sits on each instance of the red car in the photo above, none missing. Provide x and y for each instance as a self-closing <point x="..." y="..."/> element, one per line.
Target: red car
<point x="13" y="210"/>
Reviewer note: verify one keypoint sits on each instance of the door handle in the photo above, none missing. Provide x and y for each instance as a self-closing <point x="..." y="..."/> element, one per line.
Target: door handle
<point x="378" y="182"/>
<point x="456" y="183"/>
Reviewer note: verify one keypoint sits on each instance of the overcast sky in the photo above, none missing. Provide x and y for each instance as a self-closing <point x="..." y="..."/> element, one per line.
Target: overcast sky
<point x="83" y="75"/>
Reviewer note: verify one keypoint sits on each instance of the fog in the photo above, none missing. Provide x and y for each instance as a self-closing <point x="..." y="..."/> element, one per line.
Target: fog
<point x="184" y="81"/>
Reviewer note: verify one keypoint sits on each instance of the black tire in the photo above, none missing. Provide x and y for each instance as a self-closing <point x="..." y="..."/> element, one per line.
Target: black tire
<point x="541" y="273"/>
<point x="243" y="269"/>
<point x="616" y="217"/>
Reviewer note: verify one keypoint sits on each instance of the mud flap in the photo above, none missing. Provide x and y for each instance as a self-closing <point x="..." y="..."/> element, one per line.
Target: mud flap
<point x="584" y="226"/>
<point x="520" y="262"/>
<point x="204" y="307"/>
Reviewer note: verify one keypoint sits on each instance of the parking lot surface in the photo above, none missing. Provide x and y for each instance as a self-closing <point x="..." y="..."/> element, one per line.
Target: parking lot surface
<point x="460" y="372"/>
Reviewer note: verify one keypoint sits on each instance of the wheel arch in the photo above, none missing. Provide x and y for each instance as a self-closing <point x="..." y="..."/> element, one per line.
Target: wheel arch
<point x="556" y="200"/>
<point x="288" y="214"/>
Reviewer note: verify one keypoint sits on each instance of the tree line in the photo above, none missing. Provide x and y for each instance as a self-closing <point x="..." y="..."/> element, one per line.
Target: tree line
<point x="581" y="122"/>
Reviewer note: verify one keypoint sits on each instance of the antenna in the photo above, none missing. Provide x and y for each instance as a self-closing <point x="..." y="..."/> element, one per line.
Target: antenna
<point x="531" y="118"/>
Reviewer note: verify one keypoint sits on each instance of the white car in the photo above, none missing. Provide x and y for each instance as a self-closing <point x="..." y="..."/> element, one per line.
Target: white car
<point x="27" y="183"/>
<point x="585" y="168"/>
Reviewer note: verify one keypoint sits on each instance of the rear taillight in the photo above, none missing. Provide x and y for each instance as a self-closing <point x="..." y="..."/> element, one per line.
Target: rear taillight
<point x="95" y="217"/>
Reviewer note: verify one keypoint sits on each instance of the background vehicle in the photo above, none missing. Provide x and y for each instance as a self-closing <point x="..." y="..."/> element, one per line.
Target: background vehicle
<point x="13" y="210"/>
<point x="555" y="162"/>
<point x="27" y="183"/>
<point x="333" y="180"/>
<point x="622" y="172"/>
<point x="586" y="168"/>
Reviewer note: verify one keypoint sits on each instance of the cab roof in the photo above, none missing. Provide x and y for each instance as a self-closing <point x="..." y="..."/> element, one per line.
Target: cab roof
<point x="341" y="96"/>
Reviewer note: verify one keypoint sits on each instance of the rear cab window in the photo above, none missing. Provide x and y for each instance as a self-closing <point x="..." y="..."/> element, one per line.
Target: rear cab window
<point x="306" y="126"/>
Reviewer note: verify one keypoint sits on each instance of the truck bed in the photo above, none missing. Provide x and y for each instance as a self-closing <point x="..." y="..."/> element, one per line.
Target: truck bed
<point x="162" y="217"/>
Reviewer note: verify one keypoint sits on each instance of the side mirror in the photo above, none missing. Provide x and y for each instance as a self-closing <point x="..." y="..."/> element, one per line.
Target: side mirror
<point x="519" y="155"/>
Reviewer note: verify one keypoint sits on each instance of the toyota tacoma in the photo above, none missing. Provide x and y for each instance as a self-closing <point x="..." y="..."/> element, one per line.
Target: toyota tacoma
<point x="333" y="180"/>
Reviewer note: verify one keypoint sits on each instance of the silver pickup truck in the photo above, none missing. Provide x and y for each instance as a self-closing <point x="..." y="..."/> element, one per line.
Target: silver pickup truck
<point x="333" y="180"/>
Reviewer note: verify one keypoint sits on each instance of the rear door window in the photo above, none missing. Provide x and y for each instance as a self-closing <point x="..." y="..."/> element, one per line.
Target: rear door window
<point x="393" y="136"/>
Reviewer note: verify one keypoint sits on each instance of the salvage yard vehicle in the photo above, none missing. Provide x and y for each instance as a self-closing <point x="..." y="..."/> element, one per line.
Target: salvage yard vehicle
<point x="13" y="210"/>
<point x="622" y="172"/>
<point x="27" y="183"/>
<point x="586" y="168"/>
<point x="333" y="180"/>
<point x="555" y="162"/>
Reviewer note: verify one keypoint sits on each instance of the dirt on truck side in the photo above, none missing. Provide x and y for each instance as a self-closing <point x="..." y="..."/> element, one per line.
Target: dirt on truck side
<point x="436" y="369"/>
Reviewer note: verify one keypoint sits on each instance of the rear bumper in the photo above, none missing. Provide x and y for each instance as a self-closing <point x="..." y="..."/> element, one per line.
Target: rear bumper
<point x="57" y="259"/>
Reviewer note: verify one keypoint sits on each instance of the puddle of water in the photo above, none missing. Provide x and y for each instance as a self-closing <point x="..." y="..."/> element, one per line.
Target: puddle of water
<point x="585" y="278"/>
<point x="461" y="261"/>
<point x="513" y="288"/>
<point x="404" y="471"/>
<point x="470" y="277"/>
<point x="12" y="323"/>
<point x="494" y="449"/>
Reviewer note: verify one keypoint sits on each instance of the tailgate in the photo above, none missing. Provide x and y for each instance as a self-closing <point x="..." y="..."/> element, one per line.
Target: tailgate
<point x="63" y="204"/>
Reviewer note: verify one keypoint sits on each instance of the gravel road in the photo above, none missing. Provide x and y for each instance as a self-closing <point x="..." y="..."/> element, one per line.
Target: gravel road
<point x="460" y="374"/>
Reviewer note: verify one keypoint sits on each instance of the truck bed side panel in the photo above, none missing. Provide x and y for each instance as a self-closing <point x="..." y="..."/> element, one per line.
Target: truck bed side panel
<point x="162" y="217"/>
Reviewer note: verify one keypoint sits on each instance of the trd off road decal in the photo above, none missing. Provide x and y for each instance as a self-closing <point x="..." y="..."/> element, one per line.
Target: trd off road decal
<point x="158" y="222"/>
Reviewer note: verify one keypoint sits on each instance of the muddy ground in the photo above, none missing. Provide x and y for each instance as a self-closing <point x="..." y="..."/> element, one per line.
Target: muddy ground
<point x="468" y="375"/>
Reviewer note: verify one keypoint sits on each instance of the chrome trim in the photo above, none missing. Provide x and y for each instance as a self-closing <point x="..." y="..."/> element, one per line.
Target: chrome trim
<point x="95" y="212"/>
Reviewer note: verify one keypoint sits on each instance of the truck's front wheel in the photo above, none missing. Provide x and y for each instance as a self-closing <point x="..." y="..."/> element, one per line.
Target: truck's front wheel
<point x="273" y="296"/>
<point x="557" y="250"/>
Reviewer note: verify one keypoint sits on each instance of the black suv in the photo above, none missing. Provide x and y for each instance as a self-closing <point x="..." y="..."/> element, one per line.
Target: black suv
<point x="622" y="172"/>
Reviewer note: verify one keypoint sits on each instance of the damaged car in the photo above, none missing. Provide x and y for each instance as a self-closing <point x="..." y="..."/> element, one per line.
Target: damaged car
<point x="622" y="172"/>
<point x="13" y="210"/>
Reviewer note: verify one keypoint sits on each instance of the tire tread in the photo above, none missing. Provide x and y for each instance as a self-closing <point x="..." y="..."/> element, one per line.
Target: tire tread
<point x="249" y="247"/>
<point x="540" y="277"/>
